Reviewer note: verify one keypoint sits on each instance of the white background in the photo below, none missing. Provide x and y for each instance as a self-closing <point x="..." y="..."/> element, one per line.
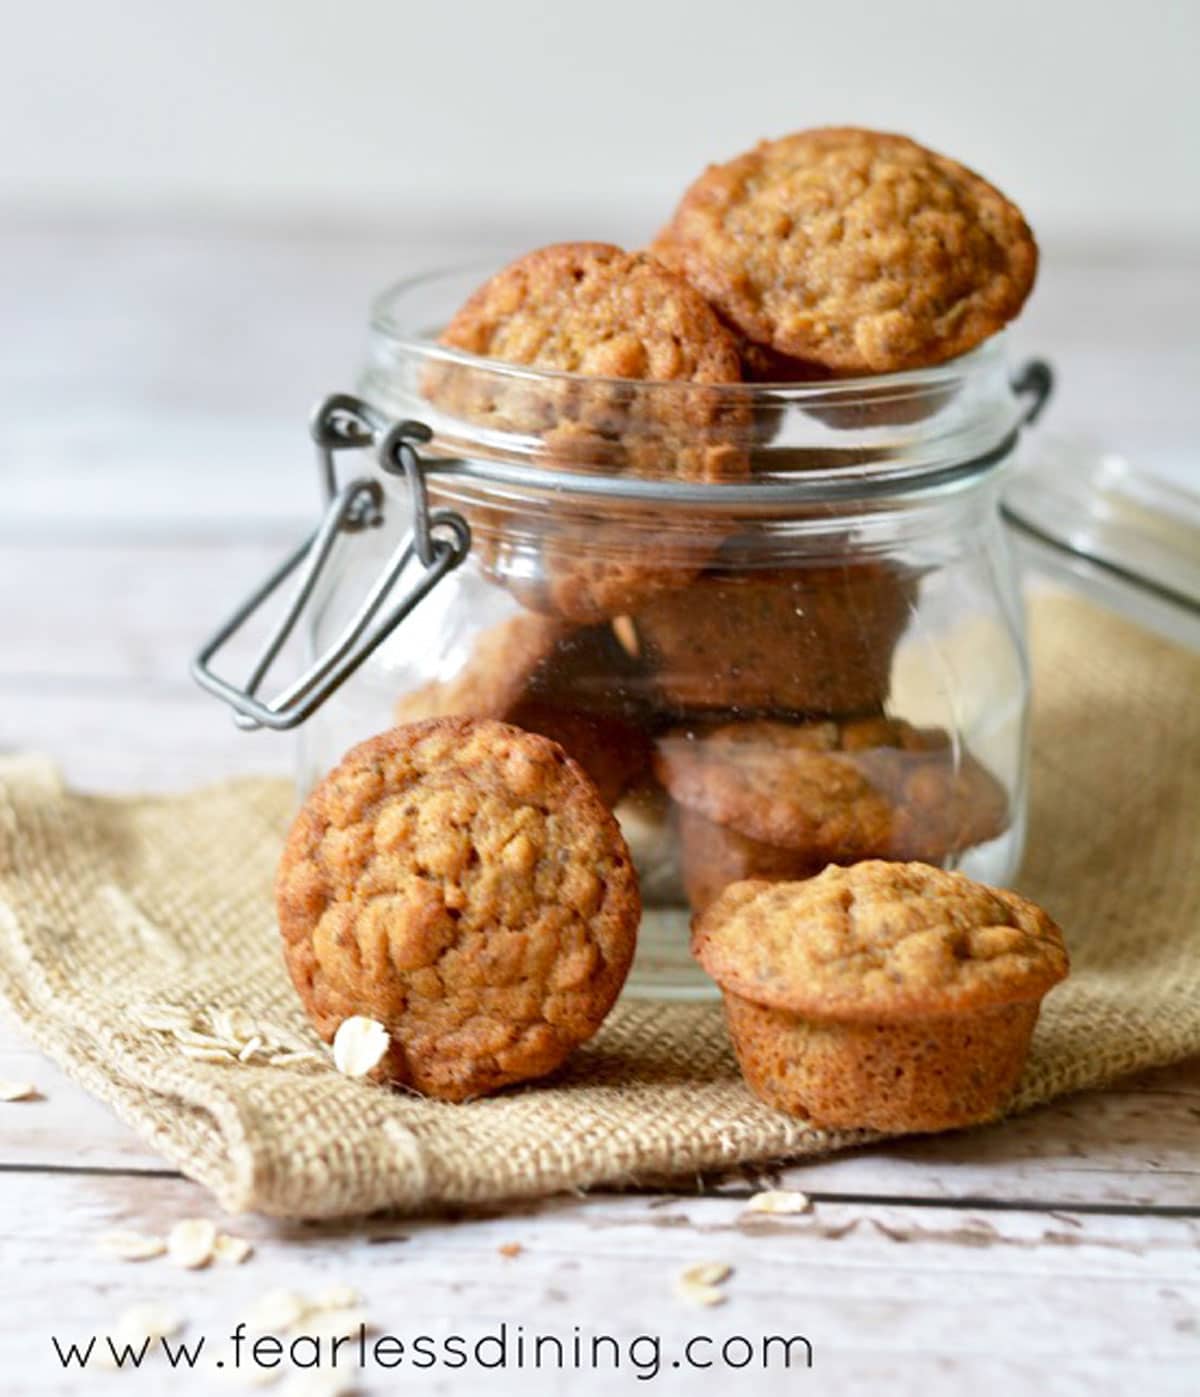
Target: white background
<point x="583" y="118"/>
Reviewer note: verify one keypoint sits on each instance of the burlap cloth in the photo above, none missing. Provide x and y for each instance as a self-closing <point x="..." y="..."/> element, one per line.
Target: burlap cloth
<point x="111" y="909"/>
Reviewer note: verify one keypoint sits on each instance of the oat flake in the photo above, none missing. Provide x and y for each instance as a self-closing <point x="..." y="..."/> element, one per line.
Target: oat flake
<point x="359" y="1045"/>
<point x="779" y="1200"/>
<point x="278" y="1310"/>
<point x="190" y="1243"/>
<point x="336" y="1297"/>
<point x="18" y="1091"/>
<point x="149" y="1321"/>
<point x="696" y="1294"/>
<point x="232" y="1249"/>
<point x="198" y="1054"/>
<point x="706" y="1273"/>
<point x="130" y="1246"/>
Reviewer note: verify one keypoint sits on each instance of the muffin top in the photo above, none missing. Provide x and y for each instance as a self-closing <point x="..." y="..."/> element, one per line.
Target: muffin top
<point x="878" y="942"/>
<point x="858" y="250"/>
<point x="592" y="308"/>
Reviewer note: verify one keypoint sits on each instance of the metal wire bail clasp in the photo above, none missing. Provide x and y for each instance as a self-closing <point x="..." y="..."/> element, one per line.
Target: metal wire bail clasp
<point x="439" y="540"/>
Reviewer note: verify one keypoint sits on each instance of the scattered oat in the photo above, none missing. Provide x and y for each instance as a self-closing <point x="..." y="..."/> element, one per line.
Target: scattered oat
<point x="700" y="1284"/>
<point x="697" y="1294"/>
<point x="233" y="1024"/>
<point x="511" y="1249"/>
<point x="779" y="1200"/>
<point x="130" y="1246"/>
<point x="334" y="1324"/>
<point x="359" y="1045"/>
<point x="228" y="1035"/>
<point x="336" y="1297"/>
<point x="199" y="1054"/>
<point x="278" y="1310"/>
<point x="194" y="1038"/>
<point x="190" y="1243"/>
<point x="232" y="1249"/>
<point x="148" y="1321"/>
<point x="18" y="1091"/>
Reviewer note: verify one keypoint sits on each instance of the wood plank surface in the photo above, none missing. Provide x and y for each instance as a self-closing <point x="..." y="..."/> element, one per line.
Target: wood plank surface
<point x="945" y="1297"/>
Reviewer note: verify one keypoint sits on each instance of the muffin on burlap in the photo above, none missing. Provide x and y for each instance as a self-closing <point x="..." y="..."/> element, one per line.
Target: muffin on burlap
<point x="773" y="800"/>
<point x="857" y="250"/>
<point x="803" y="640"/>
<point x="893" y="997"/>
<point x="573" y="684"/>
<point x="461" y="883"/>
<point x="639" y="362"/>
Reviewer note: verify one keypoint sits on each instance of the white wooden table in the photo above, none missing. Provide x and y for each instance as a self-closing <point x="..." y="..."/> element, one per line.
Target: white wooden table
<point x="154" y="387"/>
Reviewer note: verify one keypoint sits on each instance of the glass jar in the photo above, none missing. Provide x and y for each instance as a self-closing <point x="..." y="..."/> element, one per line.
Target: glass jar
<point x="778" y="624"/>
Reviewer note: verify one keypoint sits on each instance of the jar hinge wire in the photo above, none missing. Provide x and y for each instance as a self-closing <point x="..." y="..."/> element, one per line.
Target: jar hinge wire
<point x="439" y="540"/>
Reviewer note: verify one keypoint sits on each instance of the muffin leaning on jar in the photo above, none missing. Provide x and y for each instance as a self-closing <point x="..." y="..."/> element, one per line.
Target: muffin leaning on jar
<point x="460" y="883"/>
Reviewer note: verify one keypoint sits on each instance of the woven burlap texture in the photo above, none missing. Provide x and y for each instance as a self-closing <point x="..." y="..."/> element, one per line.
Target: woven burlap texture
<point x="111" y="907"/>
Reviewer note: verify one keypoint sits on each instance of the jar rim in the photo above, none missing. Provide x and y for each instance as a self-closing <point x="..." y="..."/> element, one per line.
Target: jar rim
<point x="882" y="435"/>
<point x="385" y="321"/>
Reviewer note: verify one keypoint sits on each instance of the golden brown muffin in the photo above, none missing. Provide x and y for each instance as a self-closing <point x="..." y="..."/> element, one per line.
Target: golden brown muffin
<point x="461" y="883"/>
<point x="893" y="997"/>
<point x="855" y="249"/>
<point x="643" y="367"/>
<point x="572" y="684"/>
<point x="816" y="639"/>
<point x="835" y="791"/>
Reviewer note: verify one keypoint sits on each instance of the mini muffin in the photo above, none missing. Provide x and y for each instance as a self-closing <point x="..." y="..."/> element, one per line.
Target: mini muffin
<point x="834" y="792"/>
<point x="461" y="883"/>
<point x="640" y="361"/>
<point x="804" y="640"/>
<point x="892" y="997"/>
<point x="572" y="684"/>
<point x="857" y="250"/>
<point x="712" y="856"/>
